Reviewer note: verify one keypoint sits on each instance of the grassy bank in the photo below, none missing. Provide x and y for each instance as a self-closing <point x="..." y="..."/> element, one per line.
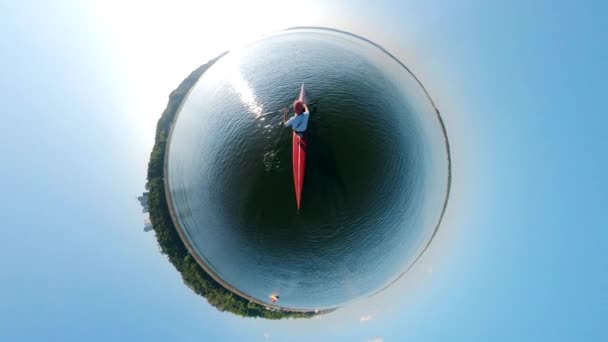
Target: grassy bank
<point x="170" y="243"/>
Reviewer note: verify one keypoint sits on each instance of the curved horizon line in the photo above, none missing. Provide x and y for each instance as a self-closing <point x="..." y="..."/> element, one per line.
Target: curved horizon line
<point x="251" y="298"/>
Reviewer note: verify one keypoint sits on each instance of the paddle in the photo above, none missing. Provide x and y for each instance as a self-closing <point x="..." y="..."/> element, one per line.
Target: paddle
<point x="281" y="111"/>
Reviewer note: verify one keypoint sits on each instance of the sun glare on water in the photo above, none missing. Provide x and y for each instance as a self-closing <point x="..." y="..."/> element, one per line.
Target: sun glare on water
<point x="157" y="44"/>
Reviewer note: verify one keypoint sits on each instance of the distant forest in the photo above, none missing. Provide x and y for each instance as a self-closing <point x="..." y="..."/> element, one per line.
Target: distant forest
<point x="168" y="238"/>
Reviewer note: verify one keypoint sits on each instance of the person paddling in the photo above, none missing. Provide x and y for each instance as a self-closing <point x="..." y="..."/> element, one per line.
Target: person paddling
<point x="298" y="122"/>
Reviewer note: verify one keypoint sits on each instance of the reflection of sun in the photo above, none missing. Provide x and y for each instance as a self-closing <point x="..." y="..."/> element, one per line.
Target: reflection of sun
<point x="245" y="92"/>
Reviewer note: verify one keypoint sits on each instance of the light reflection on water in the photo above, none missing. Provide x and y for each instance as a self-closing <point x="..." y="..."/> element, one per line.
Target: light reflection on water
<point x="376" y="177"/>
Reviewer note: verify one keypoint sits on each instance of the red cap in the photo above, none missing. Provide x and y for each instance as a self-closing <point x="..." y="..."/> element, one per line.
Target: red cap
<point x="298" y="107"/>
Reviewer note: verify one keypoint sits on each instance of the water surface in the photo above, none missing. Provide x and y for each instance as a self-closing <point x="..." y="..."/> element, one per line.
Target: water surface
<point x="376" y="174"/>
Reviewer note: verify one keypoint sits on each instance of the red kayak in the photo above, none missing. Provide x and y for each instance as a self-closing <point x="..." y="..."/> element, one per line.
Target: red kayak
<point x="299" y="158"/>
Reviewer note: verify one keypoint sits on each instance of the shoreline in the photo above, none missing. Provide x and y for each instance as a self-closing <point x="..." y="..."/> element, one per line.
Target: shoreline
<point x="185" y="240"/>
<point x="249" y="298"/>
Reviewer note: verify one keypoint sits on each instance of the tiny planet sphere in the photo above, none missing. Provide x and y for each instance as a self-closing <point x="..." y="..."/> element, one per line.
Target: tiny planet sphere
<point x="376" y="177"/>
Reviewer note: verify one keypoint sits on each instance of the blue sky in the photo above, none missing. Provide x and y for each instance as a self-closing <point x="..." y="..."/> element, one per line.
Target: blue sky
<point x="521" y="85"/>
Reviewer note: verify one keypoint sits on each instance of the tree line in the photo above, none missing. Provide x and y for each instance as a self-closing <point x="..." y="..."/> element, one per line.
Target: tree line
<point x="193" y="275"/>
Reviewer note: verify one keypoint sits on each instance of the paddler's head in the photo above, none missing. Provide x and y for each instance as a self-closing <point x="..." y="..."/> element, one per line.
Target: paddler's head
<point x="298" y="107"/>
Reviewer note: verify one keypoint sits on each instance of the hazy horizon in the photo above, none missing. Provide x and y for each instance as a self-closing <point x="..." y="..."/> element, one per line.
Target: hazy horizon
<point x="521" y="252"/>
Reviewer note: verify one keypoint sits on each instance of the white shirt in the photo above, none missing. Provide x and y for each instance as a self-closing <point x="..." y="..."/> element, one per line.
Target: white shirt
<point x="298" y="123"/>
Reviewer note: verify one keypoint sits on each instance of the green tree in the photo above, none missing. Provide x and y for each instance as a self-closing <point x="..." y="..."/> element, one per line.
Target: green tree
<point x="193" y="275"/>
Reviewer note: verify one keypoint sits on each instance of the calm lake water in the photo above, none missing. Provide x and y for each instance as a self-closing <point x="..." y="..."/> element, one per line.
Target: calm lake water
<point x="376" y="174"/>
